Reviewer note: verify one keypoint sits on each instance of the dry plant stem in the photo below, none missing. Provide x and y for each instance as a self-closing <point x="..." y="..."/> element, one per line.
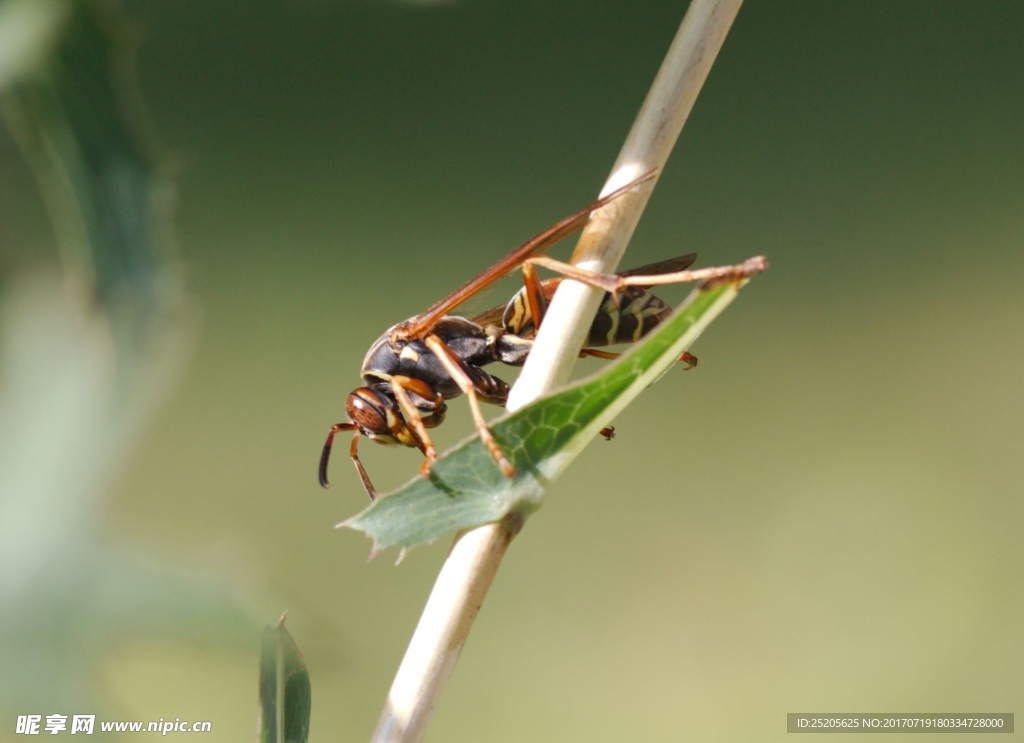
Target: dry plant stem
<point x="454" y="602"/>
<point x="470" y="568"/>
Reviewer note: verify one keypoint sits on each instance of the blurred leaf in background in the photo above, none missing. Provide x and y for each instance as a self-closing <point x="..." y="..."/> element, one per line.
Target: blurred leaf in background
<point x="87" y="355"/>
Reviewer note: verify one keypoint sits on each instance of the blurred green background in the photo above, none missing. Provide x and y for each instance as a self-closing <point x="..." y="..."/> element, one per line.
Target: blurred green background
<point x="824" y="516"/>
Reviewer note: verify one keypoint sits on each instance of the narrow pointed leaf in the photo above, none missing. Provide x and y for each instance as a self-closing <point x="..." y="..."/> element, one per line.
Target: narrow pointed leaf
<point x="466" y="488"/>
<point x="285" y="698"/>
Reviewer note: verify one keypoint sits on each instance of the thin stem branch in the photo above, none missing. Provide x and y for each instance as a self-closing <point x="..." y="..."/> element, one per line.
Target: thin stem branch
<point x="604" y="239"/>
<point x="456" y="598"/>
<point x="473" y="562"/>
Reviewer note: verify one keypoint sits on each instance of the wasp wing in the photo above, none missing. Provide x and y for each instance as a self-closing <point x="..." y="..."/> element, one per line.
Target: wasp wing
<point x="662" y="267"/>
<point x="421" y="324"/>
<point x="494" y="315"/>
<point x="491" y="317"/>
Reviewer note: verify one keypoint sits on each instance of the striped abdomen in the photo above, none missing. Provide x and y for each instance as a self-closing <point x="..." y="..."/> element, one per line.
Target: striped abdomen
<point x="635" y="314"/>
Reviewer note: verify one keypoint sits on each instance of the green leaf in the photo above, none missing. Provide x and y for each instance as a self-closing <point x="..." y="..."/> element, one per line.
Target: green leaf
<point x="285" y="698"/>
<point x="93" y="351"/>
<point x="78" y="115"/>
<point x="466" y="489"/>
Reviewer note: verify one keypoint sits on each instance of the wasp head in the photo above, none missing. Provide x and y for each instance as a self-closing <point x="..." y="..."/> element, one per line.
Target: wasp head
<point x="375" y="414"/>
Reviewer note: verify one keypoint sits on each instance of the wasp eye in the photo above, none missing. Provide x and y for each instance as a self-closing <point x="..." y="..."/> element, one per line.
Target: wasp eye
<point x="370" y="411"/>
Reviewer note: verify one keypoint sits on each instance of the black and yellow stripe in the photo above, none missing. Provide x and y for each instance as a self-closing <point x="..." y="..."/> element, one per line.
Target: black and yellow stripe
<point x="628" y="318"/>
<point x="625" y="320"/>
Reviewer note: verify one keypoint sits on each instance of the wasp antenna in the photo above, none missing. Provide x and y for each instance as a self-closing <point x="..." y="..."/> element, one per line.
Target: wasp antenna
<point x="326" y="455"/>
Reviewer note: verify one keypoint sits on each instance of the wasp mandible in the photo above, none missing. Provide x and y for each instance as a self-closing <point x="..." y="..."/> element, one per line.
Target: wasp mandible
<point x="417" y="365"/>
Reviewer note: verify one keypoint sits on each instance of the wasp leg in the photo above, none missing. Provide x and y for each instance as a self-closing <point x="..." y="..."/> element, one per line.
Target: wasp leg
<point x="402" y="386"/>
<point x="454" y="366"/>
<point x="614" y="284"/>
<point x="535" y="300"/>
<point x="367" y="485"/>
<point x="430" y="402"/>
<point x="436" y="418"/>
<point x="608" y="282"/>
<point x="713" y="275"/>
<point x="687" y="358"/>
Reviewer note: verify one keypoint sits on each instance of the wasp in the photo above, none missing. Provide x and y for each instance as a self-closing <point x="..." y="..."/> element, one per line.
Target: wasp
<point x="416" y="366"/>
